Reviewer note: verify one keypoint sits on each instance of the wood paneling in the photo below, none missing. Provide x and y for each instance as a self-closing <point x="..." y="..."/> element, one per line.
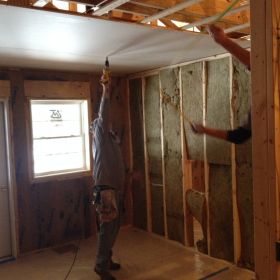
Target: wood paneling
<point x="5" y="89"/>
<point x="54" y="211"/>
<point x="57" y="90"/>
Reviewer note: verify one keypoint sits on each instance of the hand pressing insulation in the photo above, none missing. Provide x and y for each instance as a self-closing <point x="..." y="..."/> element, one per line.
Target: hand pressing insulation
<point x="197" y="128"/>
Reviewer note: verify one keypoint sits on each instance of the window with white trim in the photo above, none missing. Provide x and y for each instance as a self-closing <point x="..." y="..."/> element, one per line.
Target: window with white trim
<point x="60" y="137"/>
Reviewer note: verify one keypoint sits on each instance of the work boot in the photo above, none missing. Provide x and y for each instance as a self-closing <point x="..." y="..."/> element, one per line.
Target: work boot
<point x="105" y="275"/>
<point x="114" y="266"/>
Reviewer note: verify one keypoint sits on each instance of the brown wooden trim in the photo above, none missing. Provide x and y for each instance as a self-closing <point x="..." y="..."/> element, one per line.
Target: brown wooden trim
<point x="147" y="175"/>
<point x="53" y="89"/>
<point x="5" y="89"/>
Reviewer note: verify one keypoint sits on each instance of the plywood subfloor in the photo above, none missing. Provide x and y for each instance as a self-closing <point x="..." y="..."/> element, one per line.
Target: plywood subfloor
<point x="142" y="256"/>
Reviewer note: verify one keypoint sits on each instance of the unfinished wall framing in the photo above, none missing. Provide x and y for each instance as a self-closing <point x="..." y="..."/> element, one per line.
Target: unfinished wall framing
<point x="139" y="189"/>
<point x="214" y="91"/>
<point x="266" y="138"/>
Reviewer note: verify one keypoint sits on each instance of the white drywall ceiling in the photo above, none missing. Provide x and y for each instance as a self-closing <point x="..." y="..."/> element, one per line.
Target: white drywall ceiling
<point x="51" y="40"/>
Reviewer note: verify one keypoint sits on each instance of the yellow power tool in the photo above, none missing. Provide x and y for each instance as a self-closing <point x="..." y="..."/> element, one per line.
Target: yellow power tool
<point x="106" y="72"/>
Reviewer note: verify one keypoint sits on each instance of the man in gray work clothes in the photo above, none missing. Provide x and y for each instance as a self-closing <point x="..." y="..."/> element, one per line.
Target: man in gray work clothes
<point x="109" y="176"/>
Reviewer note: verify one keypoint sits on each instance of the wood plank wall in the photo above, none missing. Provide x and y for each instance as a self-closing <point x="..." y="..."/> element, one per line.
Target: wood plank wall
<point x="214" y="91"/>
<point x="54" y="211"/>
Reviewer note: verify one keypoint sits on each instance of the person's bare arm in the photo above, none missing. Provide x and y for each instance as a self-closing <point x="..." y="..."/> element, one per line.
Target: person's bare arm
<point x="222" y="39"/>
<point x="217" y="133"/>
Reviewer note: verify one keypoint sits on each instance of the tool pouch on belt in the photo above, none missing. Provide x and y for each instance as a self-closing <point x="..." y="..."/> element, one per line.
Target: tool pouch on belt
<point x="106" y="205"/>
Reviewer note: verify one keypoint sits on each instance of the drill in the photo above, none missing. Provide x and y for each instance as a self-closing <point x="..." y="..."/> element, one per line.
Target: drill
<point x="106" y="72"/>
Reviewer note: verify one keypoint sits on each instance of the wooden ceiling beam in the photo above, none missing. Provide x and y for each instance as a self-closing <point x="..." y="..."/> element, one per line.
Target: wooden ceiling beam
<point x="237" y="27"/>
<point x="201" y="10"/>
<point x="115" y="14"/>
<point x="85" y="2"/>
<point x="137" y="9"/>
<point x="184" y="16"/>
<point x="147" y="5"/>
<point x="109" y="7"/>
<point x="171" y="10"/>
<point x="148" y="10"/>
<point x="73" y="7"/>
<point x="212" y="19"/>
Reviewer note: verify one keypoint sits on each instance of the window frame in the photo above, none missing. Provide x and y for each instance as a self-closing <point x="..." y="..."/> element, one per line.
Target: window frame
<point x="69" y="173"/>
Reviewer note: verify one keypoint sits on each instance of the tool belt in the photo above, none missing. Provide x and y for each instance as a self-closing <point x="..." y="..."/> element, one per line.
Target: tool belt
<point x="105" y="203"/>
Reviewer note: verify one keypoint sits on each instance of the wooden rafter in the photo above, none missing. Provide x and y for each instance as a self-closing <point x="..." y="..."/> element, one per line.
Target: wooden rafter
<point x="85" y="2"/>
<point x="115" y="14"/>
<point x="109" y="7"/>
<point x="194" y="13"/>
<point x="137" y="9"/>
<point x="171" y="10"/>
<point x="211" y="19"/>
<point x="237" y="27"/>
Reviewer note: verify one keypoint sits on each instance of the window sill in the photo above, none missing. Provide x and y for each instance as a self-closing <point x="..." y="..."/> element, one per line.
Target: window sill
<point x="62" y="176"/>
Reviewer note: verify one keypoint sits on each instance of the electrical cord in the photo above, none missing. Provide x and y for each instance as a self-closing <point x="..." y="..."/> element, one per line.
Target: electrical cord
<point x="74" y="260"/>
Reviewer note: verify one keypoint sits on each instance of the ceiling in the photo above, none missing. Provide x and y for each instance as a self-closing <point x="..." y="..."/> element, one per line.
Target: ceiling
<point x="49" y="38"/>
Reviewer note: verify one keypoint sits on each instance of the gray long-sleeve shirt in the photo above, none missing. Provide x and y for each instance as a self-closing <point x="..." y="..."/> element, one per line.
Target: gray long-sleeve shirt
<point x="109" y="166"/>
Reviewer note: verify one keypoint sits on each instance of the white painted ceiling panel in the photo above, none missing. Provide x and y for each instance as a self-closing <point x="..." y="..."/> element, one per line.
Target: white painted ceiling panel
<point x="52" y="40"/>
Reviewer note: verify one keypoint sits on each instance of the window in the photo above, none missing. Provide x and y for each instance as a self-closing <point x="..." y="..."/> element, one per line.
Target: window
<point x="60" y="136"/>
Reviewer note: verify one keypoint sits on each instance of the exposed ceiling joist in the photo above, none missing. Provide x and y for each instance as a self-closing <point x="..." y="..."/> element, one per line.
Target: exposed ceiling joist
<point x="42" y="3"/>
<point x="237" y="27"/>
<point x="137" y="13"/>
<point x="136" y="9"/>
<point x="215" y="17"/>
<point x="84" y="2"/>
<point x="156" y="12"/>
<point x="115" y="14"/>
<point x="109" y="7"/>
<point x="147" y="5"/>
<point x="171" y="10"/>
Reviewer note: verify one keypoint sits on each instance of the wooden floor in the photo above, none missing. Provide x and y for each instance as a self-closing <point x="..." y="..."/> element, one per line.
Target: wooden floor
<point x="143" y="256"/>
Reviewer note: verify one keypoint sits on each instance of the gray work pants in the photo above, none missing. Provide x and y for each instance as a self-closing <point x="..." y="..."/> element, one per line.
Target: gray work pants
<point x="106" y="238"/>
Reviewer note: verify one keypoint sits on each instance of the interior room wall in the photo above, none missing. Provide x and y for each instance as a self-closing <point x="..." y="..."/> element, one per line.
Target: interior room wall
<point x="215" y="92"/>
<point x="56" y="210"/>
